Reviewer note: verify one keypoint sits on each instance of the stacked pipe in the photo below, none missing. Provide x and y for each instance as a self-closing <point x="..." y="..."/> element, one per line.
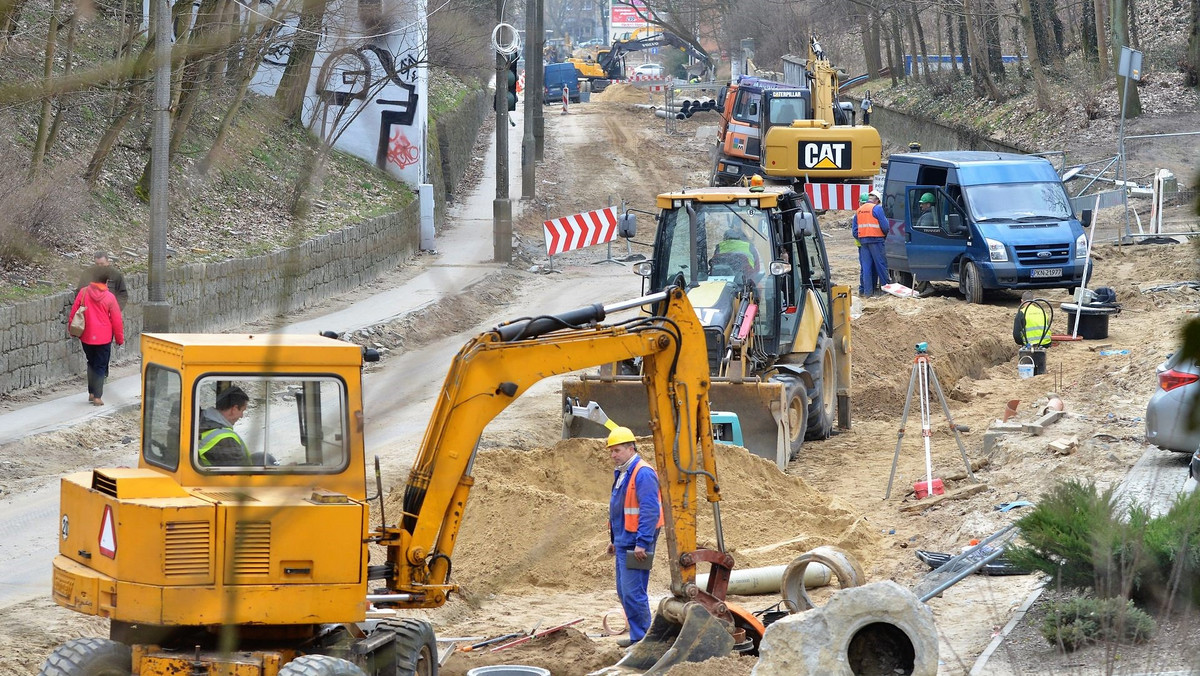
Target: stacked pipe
<point x="683" y="109"/>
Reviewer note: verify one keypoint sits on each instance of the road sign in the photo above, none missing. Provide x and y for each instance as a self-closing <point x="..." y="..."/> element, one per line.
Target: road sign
<point x="108" y="534"/>
<point x="1130" y="64"/>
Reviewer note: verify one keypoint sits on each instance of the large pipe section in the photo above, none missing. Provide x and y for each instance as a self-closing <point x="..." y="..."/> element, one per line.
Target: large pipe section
<point x="768" y="579"/>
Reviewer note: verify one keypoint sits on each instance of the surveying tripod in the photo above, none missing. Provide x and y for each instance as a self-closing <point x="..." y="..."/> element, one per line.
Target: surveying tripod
<point x="923" y="373"/>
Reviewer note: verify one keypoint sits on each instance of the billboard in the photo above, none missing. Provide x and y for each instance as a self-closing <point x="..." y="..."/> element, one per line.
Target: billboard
<point x="624" y="14"/>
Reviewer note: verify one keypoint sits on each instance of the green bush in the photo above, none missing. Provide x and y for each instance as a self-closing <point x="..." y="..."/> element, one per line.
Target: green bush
<point x="1081" y="539"/>
<point x="1082" y="621"/>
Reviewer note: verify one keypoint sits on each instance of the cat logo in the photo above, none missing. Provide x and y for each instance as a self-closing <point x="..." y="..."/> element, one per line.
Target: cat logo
<point x="818" y="155"/>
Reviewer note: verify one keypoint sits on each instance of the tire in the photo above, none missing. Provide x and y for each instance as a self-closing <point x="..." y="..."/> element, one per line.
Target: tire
<point x="89" y="657"/>
<point x="972" y="284"/>
<point x="822" y="411"/>
<point x="320" y="665"/>
<point x="416" y="648"/>
<point x="797" y="411"/>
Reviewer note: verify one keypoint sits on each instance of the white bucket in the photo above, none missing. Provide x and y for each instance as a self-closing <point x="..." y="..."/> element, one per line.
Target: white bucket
<point x="1025" y="367"/>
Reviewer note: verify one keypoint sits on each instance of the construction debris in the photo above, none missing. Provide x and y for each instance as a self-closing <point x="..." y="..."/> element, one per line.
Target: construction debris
<point x="1064" y="445"/>
<point x="958" y="494"/>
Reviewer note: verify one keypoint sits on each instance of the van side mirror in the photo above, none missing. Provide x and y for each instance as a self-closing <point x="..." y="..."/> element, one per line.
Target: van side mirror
<point x="954" y="223"/>
<point x="1085" y="217"/>
<point x="803" y="224"/>
<point x="627" y="225"/>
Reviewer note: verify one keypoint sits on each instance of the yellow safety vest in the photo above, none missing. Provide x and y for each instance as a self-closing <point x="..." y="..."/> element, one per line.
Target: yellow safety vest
<point x="211" y="438"/>
<point x="1036" y="331"/>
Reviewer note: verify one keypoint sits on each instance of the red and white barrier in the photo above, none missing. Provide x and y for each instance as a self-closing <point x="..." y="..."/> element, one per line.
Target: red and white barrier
<point x="581" y="230"/>
<point x="836" y="196"/>
<point x="648" y="78"/>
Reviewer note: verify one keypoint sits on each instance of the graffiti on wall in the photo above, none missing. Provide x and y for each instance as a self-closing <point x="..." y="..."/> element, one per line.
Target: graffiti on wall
<point x="366" y="94"/>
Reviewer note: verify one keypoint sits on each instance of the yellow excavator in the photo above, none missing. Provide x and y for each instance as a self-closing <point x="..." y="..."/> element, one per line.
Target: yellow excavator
<point x="244" y="550"/>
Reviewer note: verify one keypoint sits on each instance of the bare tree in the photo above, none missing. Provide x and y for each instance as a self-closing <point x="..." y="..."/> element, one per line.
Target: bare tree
<point x="39" y="147"/>
<point x="1100" y="9"/>
<point x="1035" y="60"/>
<point x="1191" y="62"/>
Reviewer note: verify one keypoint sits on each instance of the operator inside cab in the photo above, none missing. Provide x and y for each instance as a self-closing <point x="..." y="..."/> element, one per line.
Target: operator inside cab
<point x="737" y="252"/>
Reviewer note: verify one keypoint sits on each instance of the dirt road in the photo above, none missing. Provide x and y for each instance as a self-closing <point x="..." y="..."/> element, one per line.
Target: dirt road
<point x="518" y="576"/>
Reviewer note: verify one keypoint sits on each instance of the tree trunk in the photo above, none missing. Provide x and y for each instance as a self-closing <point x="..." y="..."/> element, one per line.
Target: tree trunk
<point x="964" y="41"/>
<point x="950" y="25"/>
<point x="43" y="133"/>
<point x="990" y="18"/>
<point x="912" y="43"/>
<point x="1134" y="33"/>
<point x="1035" y="61"/>
<point x="1119" y="15"/>
<point x="891" y="57"/>
<point x="1191" y="62"/>
<point x="1100" y="9"/>
<point x="870" y="49"/>
<point x="1048" y="28"/>
<point x="289" y="96"/>
<point x="252" y="56"/>
<point x="133" y="101"/>
<point x="924" y="49"/>
<point x="984" y="84"/>
<point x="10" y="20"/>
<point x="1087" y="35"/>
<point x="897" y="43"/>
<point x="58" y="104"/>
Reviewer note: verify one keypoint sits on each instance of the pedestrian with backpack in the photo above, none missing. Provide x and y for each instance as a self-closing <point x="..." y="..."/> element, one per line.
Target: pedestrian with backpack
<point x="96" y="308"/>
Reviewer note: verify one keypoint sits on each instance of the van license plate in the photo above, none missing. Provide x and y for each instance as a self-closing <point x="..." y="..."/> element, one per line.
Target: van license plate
<point x="1045" y="272"/>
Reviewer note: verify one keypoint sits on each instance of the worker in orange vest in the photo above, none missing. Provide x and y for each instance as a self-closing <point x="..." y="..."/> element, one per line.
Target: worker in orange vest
<point x="634" y="518"/>
<point x="869" y="228"/>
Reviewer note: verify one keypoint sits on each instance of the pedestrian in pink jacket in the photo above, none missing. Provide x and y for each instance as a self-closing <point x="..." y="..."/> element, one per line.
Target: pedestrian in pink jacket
<point x="102" y="323"/>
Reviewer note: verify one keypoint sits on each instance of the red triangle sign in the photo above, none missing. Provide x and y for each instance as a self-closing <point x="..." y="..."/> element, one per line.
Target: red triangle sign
<point x="108" y="534"/>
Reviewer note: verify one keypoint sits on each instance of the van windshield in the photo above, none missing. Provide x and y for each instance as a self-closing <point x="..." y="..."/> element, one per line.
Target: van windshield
<point x="1018" y="201"/>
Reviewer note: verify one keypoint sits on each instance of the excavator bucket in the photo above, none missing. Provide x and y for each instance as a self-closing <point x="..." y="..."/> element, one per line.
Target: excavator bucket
<point x="700" y="637"/>
<point x="766" y="422"/>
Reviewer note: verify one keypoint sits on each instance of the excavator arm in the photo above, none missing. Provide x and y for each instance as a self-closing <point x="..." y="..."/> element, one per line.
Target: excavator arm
<point x="498" y="366"/>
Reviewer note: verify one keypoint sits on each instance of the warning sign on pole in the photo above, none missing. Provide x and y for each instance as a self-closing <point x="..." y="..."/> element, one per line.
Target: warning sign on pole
<point x="108" y="534"/>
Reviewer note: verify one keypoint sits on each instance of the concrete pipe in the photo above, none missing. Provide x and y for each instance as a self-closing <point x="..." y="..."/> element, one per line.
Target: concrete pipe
<point x="880" y="628"/>
<point x="843" y="566"/>
<point x="767" y="580"/>
<point x="664" y="114"/>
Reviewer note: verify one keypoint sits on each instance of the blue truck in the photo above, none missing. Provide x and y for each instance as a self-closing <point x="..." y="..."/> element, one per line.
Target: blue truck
<point x="983" y="220"/>
<point x="557" y="76"/>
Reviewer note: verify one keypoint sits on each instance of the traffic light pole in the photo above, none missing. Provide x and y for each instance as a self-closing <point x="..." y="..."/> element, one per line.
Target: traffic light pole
<point x="528" y="146"/>
<point x="501" y="206"/>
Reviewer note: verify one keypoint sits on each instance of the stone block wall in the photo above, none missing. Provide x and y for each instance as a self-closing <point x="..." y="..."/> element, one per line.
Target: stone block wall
<point x="901" y="129"/>
<point x="205" y="297"/>
<point x="457" y="131"/>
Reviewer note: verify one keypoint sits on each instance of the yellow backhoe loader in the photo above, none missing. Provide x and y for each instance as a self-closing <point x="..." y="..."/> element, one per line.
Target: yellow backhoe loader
<point x="777" y="329"/>
<point x="255" y="562"/>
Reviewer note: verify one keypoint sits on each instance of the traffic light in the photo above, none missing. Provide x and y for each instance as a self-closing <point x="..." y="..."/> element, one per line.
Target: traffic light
<point x="512" y="82"/>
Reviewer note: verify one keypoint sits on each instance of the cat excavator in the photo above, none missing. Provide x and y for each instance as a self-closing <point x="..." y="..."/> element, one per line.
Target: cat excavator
<point x="260" y="564"/>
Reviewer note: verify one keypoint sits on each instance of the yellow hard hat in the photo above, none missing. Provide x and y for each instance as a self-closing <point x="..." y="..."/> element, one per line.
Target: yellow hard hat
<point x="620" y="435"/>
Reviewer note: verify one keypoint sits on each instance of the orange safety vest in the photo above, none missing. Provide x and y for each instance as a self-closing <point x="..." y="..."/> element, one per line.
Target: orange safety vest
<point x="868" y="225"/>
<point x="632" y="510"/>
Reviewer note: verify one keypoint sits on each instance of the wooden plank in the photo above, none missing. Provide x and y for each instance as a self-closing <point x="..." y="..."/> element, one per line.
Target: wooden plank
<point x="959" y="494"/>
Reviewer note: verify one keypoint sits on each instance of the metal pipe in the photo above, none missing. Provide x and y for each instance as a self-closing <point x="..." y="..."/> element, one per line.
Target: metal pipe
<point x="963" y="573"/>
<point x="635" y="302"/>
<point x="389" y="598"/>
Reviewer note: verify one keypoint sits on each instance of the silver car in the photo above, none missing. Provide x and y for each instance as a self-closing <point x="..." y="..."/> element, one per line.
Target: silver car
<point x="1167" y="413"/>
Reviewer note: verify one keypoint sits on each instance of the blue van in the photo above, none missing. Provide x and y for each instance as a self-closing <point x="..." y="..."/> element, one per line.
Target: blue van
<point x="983" y="220"/>
<point x="557" y="76"/>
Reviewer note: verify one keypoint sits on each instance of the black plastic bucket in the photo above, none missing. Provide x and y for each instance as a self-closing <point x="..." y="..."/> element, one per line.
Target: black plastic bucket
<point x="1093" y="320"/>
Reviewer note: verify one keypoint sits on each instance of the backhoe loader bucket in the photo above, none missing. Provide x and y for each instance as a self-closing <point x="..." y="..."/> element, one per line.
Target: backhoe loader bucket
<point x="700" y="637"/>
<point x="767" y="423"/>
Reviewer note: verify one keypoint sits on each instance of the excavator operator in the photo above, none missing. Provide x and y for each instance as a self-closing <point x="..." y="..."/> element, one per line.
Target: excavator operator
<point x="736" y="251"/>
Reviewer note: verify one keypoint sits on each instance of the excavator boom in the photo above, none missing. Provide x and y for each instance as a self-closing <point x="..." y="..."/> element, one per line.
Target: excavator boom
<point x="495" y="368"/>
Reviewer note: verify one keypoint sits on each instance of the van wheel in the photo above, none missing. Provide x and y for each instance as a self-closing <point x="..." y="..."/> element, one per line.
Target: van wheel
<point x="823" y="409"/>
<point x="904" y="278"/>
<point x="972" y="284"/>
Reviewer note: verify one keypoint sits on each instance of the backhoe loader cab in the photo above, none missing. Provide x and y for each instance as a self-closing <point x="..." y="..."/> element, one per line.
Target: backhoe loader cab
<point x="754" y="264"/>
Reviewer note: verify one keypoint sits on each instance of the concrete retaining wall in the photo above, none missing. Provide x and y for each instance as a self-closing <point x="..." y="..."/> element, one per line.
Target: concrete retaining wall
<point x="35" y="349"/>
<point x="901" y="129"/>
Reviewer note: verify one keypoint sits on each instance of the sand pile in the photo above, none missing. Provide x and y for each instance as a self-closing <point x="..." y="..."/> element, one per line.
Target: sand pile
<point x="621" y="93"/>
<point x="539" y="518"/>
<point x="565" y="653"/>
<point x="962" y="344"/>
